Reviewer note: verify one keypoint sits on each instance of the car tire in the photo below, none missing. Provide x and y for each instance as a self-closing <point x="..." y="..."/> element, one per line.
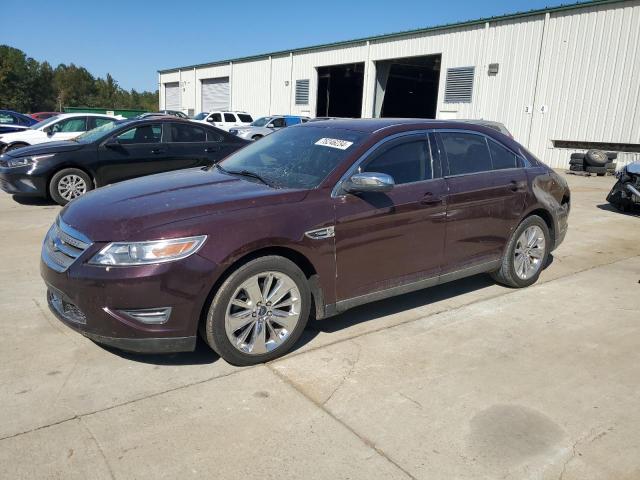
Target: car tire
<point x="69" y="184"/>
<point x="576" y="161"/>
<point x="597" y="170"/>
<point x="577" y="156"/>
<point x="243" y="301"/>
<point x="513" y="272"/>
<point x="596" y="158"/>
<point x="256" y="137"/>
<point x="576" y="168"/>
<point x="612" y="155"/>
<point x="14" y="146"/>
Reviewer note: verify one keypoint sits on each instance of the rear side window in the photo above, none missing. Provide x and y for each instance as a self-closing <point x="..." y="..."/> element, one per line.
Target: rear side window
<point x="407" y="162"/>
<point x="99" y="122"/>
<point x="7" y="119"/>
<point x="245" y="118"/>
<point x="213" y="136"/>
<point x="229" y="117"/>
<point x="187" y="133"/>
<point x="502" y="157"/>
<point x="216" y="117"/>
<point x="466" y="153"/>
<point x="142" y="134"/>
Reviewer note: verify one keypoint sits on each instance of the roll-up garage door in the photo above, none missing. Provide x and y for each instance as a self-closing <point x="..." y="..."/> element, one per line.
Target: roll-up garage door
<point x="172" y="96"/>
<point x="215" y="94"/>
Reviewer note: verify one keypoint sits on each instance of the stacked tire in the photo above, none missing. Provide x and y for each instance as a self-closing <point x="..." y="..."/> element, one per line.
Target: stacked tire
<point x="594" y="161"/>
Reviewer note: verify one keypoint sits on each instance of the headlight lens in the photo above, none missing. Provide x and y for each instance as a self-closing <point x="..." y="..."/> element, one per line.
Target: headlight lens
<point x="25" y="161"/>
<point x="144" y="253"/>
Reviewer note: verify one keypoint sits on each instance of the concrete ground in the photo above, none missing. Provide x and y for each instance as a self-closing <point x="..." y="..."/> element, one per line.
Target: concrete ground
<point x="464" y="381"/>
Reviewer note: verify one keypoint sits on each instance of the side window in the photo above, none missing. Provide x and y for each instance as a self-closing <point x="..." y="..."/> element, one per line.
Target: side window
<point x="187" y="133"/>
<point x="245" y="117"/>
<point x="229" y="117"/>
<point x="466" y="152"/>
<point x="7" y="119"/>
<point x="216" y="117"/>
<point x="102" y="121"/>
<point x="141" y="134"/>
<point x="407" y="162"/>
<point x="502" y="157"/>
<point x="78" y="124"/>
<point x="213" y="136"/>
<point x="436" y="156"/>
<point x="278" y="122"/>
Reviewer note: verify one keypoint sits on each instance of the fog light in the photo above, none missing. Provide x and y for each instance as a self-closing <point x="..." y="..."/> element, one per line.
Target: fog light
<point x="150" y="316"/>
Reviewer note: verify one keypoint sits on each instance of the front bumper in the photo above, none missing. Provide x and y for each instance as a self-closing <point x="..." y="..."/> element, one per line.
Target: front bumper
<point x="19" y="181"/>
<point x="92" y="300"/>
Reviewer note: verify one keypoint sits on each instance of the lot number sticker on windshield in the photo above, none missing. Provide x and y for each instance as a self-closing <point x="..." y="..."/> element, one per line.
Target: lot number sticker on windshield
<point x="334" y="143"/>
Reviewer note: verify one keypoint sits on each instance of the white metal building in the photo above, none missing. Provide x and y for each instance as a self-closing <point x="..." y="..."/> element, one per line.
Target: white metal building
<point x="562" y="79"/>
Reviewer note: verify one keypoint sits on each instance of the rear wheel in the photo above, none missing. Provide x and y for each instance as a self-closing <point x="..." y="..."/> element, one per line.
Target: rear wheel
<point x="525" y="255"/>
<point x="69" y="184"/>
<point x="259" y="312"/>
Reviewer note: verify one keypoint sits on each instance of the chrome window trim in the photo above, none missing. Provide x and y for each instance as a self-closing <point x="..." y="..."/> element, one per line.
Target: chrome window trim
<point x="525" y="162"/>
<point x="337" y="188"/>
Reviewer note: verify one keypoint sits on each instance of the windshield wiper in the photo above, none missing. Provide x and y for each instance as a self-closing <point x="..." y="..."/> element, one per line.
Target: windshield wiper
<point x="245" y="173"/>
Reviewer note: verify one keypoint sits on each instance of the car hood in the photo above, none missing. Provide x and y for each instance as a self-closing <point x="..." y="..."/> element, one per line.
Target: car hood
<point x="26" y="135"/>
<point x="126" y="210"/>
<point x="46" y="148"/>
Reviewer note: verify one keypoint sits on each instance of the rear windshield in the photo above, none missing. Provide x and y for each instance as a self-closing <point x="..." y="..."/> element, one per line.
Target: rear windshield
<point x="245" y="118"/>
<point x="296" y="157"/>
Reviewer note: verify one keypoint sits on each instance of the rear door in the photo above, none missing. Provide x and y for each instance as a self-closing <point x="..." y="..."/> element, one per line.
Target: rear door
<point x="389" y="239"/>
<point x="487" y="187"/>
<point x="137" y="151"/>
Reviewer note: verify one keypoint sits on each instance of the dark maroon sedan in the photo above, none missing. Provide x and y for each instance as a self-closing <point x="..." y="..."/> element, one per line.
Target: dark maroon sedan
<point x="322" y="216"/>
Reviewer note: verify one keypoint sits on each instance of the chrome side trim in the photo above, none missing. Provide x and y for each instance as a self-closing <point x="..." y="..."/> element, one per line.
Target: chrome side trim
<point x="344" y="305"/>
<point x="321" y="233"/>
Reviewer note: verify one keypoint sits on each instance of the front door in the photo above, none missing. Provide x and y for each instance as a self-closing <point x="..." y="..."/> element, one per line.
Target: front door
<point x="135" y="152"/>
<point x="487" y="188"/>
<point x="389" y="239"/>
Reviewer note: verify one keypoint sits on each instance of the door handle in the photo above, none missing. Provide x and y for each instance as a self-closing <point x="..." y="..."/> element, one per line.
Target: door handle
<point x="431" y="199"/>
<point x="157" y="150"/>
<point x="516" y="186"/>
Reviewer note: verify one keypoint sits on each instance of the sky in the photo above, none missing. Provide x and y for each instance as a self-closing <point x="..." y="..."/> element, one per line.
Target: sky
<point x="133" y="39"/>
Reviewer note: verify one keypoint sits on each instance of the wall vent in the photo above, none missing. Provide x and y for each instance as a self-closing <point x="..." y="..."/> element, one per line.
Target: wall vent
<point x="302" y="92"/>
<point x="459" y="87"/>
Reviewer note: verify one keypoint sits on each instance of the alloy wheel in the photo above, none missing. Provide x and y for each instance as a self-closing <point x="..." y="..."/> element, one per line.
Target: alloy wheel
<point x="262" y="313"/>
<point x="529" y="252"/>
<point x="71" y="186"/>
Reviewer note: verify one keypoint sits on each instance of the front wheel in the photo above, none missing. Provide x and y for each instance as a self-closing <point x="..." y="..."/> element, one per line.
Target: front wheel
<point x="259" y="312"/>
<point x="69" y="184"/>
<point x="525" y="255"/>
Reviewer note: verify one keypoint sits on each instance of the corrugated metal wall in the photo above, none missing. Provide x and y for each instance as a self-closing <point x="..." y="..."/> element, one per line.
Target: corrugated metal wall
<point x="582" y="65"/>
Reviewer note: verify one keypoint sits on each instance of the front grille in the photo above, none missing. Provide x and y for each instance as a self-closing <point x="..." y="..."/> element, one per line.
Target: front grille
<point x="66" y="310"/>
<point x="62" y="246"/>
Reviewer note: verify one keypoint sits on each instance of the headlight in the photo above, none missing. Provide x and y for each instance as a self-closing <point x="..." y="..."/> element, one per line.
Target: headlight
<point x="25" y="161"/>
<point x="144" y="253"/>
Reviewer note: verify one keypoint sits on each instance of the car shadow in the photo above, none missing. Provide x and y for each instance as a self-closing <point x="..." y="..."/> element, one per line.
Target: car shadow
<point x="390" y="306"/>
<point x="610" y="208"/>
<point x="202" y="355"/>
<point x="33" y="201"/>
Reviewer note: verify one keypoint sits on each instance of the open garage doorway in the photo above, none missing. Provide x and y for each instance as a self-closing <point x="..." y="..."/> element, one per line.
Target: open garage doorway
<point x="340" y="90"/>
<point x="407" y="87"/>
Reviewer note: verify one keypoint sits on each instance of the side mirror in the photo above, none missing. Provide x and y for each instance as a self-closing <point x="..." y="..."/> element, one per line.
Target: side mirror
<point x="113" y="142"/>
<point x="210" y="119"/>
<point x="369" y="182"/>
<point x="48" y="131"/>
<point x="271" y="125"/>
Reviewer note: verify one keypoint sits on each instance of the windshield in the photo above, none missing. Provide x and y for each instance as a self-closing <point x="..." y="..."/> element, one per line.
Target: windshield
<point x="201" y="116"/>
<point x="44" y="123"/>
<point x="295" y="157"/>
<point x="261" y="122"/>
<point x="99" y="132"/>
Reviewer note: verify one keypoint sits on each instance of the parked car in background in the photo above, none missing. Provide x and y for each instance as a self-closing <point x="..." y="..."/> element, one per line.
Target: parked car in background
<point x="61" y="127"/>
<point x="113" y="152"/>
<point x="11" y="121"/>
<point x="497" y="126"/>
<point x="175" y="113"/>
<point x="328" y="214"/>
<point x="224" y="120"/>
<point x="39" y="116"/>
<point x="267" y="125"/>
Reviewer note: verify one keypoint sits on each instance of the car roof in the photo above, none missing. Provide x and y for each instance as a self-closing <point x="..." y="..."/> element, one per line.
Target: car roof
<point x="81" y="114"/>
<point x="372" y="125"/>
